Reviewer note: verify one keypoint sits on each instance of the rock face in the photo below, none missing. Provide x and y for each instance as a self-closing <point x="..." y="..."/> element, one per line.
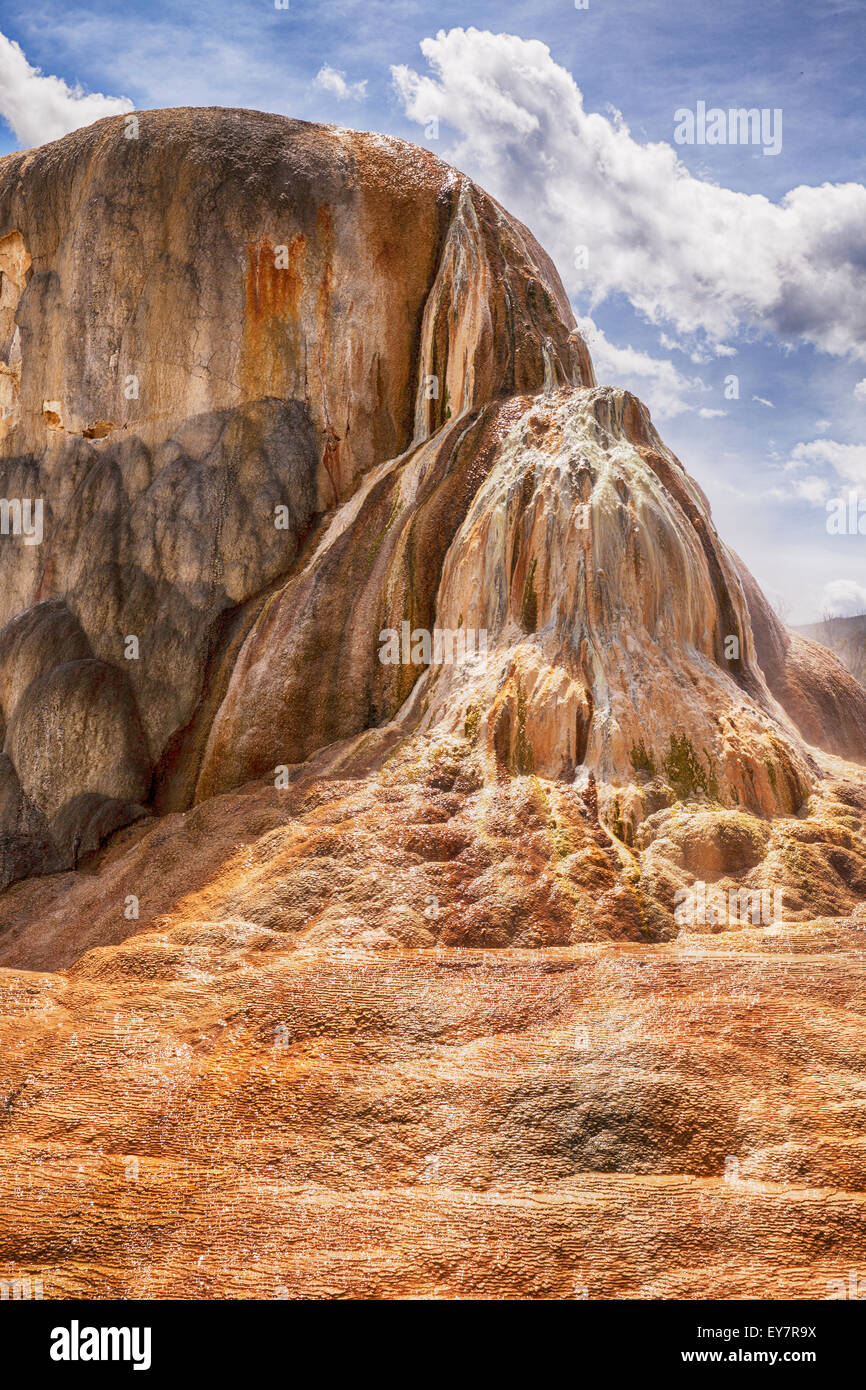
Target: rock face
<point x="819" y="693"/>
<point x="229" y="315"/>
<point x="342" y="614"/>
<point x="564" y="530"/>
<point x="200" y="1114"/>
<point x="278" y="390"/>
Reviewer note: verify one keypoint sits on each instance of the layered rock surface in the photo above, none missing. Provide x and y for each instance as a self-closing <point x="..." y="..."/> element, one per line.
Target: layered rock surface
<point x="200" y="1114"/>
<point x="306" y="408"/>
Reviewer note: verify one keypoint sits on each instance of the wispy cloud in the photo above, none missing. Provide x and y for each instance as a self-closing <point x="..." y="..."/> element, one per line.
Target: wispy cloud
<point x="665" y="389"/>
<point x="330" y="80"/>
<point x="41" y="108"/>
<point x="811" y="489"/>
<point x="846" y="461"/>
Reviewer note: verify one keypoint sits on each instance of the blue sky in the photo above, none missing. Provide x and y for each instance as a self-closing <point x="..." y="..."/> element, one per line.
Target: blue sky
<point x="728" y="262"/>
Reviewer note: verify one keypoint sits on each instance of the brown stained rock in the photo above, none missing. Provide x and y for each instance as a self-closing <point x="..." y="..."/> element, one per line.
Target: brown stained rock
<point x="14" y="271"/>
<point x="213" y="1117"/>
<point x="422" y="851"/>
<point x="826" y="702"/>
<point x="255" y="306"/>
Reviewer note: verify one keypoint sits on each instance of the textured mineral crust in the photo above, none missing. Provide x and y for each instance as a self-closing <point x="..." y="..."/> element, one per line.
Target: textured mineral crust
<point x="430" y="868"/>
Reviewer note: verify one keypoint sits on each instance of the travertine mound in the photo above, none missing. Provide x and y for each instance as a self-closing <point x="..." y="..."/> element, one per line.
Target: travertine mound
<point x="374" y="414"/>
<point x="330" y="975"/>
<point x="563" y="529"/>
<point x="283" y="390"/>
<point x="426" y="851"/>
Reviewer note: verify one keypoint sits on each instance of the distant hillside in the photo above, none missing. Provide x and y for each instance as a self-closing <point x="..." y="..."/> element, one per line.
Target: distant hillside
<point x="844" y="636"/>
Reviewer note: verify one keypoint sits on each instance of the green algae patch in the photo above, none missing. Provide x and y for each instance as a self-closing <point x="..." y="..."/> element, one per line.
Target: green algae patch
<point x="686" y="773"/>
<point x="529" y="610"/>
<point x="641" y="760"/>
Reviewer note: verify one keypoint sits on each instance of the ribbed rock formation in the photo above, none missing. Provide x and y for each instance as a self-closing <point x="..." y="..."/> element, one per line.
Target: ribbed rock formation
<point x="820" y="694"/>
<point x="342" y="614"/>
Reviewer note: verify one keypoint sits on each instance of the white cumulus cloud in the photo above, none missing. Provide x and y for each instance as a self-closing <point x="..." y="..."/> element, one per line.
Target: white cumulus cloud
<point x="705" y="259"/>
<point x="331" y="80"/>
<point x="844" y="598"/>
<point x="846" y="461"/>
<point x="811" y="489"/>
<point x="40" y="108"/>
